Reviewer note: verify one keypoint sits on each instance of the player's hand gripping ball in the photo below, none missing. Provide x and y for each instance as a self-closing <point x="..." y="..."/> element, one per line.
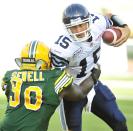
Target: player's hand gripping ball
<point x="111" y="35"/>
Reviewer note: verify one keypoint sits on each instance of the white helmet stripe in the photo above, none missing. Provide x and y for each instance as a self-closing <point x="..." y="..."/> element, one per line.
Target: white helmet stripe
<point x="32" y="50"/>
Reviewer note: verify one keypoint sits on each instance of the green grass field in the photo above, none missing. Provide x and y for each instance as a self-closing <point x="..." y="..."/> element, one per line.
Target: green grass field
<point x="91" y="122"/>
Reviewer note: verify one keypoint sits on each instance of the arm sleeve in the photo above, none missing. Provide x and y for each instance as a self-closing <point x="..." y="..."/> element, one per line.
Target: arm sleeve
<point x="58" y="61"/>
<point x="109" y="22"/>
<point x="64" y="81"/>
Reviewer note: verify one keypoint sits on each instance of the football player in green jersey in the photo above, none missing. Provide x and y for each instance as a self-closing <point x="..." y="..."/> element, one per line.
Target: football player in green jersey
<point x="34" y="91"/>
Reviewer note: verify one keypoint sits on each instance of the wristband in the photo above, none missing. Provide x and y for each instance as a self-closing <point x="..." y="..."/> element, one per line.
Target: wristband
<point x="117" y="22"/>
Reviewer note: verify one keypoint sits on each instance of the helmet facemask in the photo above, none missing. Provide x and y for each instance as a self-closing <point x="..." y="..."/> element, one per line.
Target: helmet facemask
<point x="36" y="65"/>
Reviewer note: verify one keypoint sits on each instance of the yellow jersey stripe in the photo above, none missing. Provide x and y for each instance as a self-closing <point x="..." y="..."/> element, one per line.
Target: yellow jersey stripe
<point x="62" y="75"/>
<point x="63" y="82"/>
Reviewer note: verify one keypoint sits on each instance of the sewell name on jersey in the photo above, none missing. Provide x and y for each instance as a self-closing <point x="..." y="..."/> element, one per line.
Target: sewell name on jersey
<point x="29" y="76"/>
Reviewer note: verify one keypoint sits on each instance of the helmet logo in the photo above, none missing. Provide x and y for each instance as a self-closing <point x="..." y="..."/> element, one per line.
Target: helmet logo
<point x="28" y="60"/>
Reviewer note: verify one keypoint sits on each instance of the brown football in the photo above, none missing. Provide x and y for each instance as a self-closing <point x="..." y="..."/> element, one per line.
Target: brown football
<point x="110" y="35"/>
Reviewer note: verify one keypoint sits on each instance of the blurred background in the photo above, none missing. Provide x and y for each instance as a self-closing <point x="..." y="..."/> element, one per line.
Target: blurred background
<point x="24" y="20"/>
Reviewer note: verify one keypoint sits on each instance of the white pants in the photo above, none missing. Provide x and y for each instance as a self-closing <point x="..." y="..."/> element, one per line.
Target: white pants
<point x="90" y="97"/>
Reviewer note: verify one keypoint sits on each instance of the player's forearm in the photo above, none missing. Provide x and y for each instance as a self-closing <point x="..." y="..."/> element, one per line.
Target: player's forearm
<point x="117" y="21"/>
<point x="84" y="88"/>
<point x="73" y="93"/>
<point x="77" y="92"/>
<point x="120" y="23"/>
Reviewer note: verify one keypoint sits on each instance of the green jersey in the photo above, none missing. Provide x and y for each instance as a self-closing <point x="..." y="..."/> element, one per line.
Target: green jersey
<point x="32" y="98"/>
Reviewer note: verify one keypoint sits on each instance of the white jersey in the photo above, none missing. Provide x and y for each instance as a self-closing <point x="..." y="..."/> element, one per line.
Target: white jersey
<point x="80" y="57"/>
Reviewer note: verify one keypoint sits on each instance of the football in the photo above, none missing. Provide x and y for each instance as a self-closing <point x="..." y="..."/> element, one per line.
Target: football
<point x="110" y="35"/>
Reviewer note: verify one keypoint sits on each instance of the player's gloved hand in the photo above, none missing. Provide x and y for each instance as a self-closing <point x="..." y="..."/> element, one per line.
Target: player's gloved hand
<point x="125" y="35"/>
<point x="3" y="85"/>
<point x="5" y="89"/>
<point x="96" y="73"/>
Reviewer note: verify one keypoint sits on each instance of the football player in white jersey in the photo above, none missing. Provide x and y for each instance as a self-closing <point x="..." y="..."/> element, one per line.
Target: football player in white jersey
<point x="79" y="51"/>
